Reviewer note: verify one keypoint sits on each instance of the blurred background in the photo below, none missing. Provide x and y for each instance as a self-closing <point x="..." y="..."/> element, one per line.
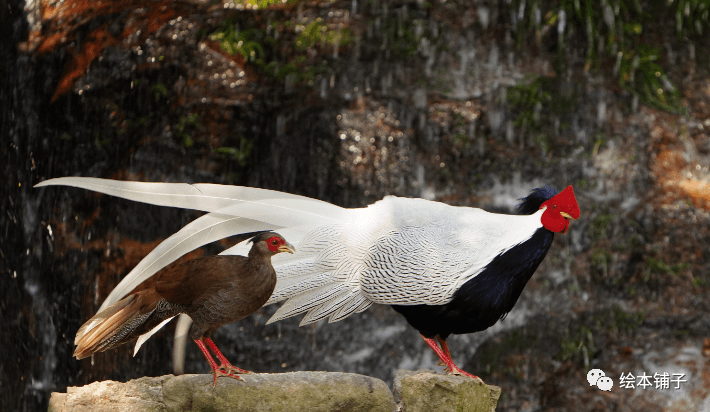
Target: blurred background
<point x="472" y="103"/>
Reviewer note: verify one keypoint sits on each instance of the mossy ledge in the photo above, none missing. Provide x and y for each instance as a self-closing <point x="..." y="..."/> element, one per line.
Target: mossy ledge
<point x="294" y="391"/>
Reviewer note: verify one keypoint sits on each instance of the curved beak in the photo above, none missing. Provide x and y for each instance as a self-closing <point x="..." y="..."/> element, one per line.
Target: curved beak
<point x="287" y="248"/>
<point x="568" y="217"/>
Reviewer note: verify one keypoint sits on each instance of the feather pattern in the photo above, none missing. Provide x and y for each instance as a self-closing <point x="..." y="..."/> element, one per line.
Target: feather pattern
<point x="397" y="251"/>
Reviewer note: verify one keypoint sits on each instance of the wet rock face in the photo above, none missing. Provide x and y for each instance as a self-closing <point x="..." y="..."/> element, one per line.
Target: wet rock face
<point x="421" y="99"/>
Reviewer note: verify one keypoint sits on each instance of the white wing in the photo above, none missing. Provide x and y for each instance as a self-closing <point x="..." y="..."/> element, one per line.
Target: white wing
<point x="397" y="251"/>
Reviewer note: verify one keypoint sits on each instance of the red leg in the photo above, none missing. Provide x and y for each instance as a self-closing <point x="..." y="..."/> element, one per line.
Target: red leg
<point x="445" y="356"/>
<point x="218" y="370"/>
<point x="225" y="365"/>
<point x="444" y="346"/>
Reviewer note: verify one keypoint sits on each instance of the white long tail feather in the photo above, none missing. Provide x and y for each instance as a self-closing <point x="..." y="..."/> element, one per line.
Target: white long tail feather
<point x="181" y="329"/>
<point x="234" y="200"/>
<point x="144" y="337"/>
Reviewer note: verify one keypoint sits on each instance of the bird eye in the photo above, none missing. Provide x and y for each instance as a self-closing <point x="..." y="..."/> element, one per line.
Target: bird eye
<point x="274" y="242"/>
<point x="554" y="206"/>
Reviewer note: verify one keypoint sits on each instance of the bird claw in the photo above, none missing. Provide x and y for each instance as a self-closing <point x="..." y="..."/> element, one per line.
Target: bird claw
<point x="231" y="369"/>
<point x="221" y="372"/>
<point x="459" y="372"/>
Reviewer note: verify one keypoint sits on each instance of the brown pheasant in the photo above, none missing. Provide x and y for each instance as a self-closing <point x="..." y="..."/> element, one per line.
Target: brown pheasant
<point x="213" y="291"/>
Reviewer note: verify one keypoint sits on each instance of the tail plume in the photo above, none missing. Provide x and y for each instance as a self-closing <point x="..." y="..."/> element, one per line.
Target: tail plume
<point x="115" y="325"/>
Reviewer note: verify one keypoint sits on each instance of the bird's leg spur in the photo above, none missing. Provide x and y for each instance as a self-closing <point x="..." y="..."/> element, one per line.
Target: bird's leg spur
<point x="225" y="368"/>
<point x="445" y="355"/>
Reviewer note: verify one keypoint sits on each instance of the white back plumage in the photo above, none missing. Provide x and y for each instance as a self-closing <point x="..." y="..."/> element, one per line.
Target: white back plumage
<point x="397" y="251"/>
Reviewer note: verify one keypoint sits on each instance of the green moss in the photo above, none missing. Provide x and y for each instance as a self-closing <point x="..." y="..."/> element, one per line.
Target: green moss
<point x="159" y="90"/>
<point x="238" y="154"/>
<point x="291" y="56"/>
<point x="514" y="341"/>
<point x="613" y="33"/>
<point x="243" y="42"/>
<point x="598" y="229"/>
<point x="433" y="392"/>
<point x="578" y="345"/>
<point x="534" y="102"/>
<point x="658" y="267"/>
<point x="618" y="320"/>
<point x="318" y="33"/>
<point x="185" y="124"/>
<point x="307" y="391"/>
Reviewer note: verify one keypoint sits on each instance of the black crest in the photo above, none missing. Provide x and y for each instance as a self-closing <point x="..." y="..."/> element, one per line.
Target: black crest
<point x="532" y="202"/>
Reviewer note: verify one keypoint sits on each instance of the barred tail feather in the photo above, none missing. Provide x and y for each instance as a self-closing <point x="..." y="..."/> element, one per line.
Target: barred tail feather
<point x="327" y="308"/>
<point x="357" y="304"/>
<point x="112" y="326"/>
<point x="306" y="301"/>
<point x="289" y="287"/>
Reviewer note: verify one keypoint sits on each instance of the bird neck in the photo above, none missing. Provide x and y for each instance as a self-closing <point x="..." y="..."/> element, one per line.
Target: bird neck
<point x="257" y="254"/>
<point x="261" y="264"/>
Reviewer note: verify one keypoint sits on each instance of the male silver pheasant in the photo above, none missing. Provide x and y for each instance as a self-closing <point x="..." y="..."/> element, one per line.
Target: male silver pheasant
<point x="446" y="269"/>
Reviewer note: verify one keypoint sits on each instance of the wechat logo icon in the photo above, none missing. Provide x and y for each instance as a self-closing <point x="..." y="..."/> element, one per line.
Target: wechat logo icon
<point x="597" y="377"/>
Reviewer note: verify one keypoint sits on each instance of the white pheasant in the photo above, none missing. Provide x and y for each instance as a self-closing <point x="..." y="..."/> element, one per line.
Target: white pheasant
<point x="446" y="269"/>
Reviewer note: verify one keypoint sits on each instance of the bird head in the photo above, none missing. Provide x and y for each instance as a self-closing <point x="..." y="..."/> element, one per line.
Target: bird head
<point x="559" y="209"/>
<point x="273" y="242"/>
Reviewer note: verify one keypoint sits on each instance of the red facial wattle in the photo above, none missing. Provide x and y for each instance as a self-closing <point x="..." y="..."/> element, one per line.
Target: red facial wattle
<point x="559" y="209"/>
<point x="277" y="245"/>
<point x="273" y="243"/>
<point x="566" y="226"/>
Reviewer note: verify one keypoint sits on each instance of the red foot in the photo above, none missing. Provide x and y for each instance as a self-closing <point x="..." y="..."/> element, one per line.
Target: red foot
<point x="222" y="372"/>
<point x="461" y="372"/>
<point x="445" y="355"/>
<point x="225" y="368"/>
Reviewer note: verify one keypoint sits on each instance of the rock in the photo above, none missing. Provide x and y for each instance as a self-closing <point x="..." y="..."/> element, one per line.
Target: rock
<point x="294" y="391"/>
<point x="311" y="391"/>
<point x="144" y="394"/>
<point x="424" y="390"/>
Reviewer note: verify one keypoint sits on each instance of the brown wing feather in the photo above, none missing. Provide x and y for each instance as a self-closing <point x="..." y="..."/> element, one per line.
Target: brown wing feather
<point x="190" y="281"/>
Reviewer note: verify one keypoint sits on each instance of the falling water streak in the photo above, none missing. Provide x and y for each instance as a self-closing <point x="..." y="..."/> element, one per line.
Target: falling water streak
<point x="45" y="330"/>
